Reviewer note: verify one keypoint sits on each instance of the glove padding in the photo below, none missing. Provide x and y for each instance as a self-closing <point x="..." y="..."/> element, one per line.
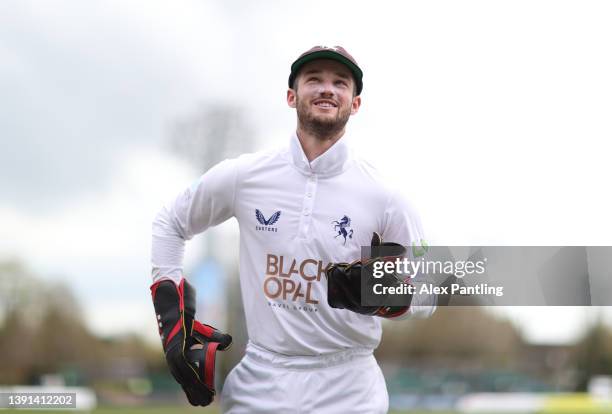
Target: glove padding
<point x="344" y="280"/>
<point x="190" y="346"/>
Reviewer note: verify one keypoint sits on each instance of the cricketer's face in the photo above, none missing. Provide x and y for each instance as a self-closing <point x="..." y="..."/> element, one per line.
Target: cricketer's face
<point x="323" y="97"/>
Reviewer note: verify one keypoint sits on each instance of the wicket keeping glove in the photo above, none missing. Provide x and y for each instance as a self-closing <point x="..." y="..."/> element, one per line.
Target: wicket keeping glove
<point x="190" y="346"/>
<point x="344" y="281"/>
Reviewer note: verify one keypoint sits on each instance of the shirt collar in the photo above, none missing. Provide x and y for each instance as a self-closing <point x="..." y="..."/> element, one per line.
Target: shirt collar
<point x="333" y="161"/>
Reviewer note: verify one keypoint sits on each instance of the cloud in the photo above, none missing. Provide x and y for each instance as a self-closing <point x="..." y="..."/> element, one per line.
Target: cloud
<point x="82" y="83"/>
<point x="100" y="243"/>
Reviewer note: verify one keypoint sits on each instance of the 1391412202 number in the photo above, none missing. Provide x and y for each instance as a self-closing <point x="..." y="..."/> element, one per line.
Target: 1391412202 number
<point x="40" y="400"/>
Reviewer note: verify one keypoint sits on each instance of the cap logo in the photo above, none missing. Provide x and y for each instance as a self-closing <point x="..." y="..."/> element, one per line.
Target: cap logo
<point x="334" y="48"/>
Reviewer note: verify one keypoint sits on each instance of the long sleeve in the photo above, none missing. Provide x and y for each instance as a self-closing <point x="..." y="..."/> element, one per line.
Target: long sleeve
<point x="207" y="202"/>
<point x="403" y="225"/>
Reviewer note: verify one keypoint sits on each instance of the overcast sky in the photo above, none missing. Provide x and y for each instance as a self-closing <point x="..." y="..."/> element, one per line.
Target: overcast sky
<point x="492" y="117"/>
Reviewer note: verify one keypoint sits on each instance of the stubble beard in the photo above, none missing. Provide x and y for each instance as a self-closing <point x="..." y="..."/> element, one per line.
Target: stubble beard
<point x="321" y="128"/>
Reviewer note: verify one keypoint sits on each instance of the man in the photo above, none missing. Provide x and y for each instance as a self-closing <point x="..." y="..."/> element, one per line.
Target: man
<point x="299" y="209"/>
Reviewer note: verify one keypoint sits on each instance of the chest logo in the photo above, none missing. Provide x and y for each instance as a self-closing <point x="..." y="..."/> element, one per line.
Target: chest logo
<point x="343" y="228"/>
<point x="266" y="225"/>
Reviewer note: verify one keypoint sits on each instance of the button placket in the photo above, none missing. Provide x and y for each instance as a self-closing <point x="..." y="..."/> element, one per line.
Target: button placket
<point x="307" y="205"/>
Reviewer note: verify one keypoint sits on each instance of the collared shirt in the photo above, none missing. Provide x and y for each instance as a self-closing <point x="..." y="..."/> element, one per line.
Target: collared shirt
<point x="295" y="218"/>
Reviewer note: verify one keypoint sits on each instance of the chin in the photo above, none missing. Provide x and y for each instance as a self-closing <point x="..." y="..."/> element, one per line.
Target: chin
<point x="325" y="121"/>
<point x="324" y="114"/>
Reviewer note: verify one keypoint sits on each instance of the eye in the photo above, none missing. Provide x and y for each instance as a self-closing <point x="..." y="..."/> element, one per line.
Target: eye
<point x="342" y="83"/>
<point x="312" y="79"/>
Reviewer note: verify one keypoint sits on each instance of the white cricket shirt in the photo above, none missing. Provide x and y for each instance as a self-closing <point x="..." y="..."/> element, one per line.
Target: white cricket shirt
<point x="295" y="218"/>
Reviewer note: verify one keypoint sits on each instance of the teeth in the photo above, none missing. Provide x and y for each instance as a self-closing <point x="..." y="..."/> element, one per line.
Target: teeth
<point x="325" y="105"/>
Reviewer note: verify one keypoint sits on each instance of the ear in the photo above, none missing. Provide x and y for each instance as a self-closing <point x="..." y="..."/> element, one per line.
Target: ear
<point x="291" y="98"/>
<point x="355" y="105"/>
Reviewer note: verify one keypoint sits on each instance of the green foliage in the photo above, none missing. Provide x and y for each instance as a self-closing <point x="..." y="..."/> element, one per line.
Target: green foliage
<point x="42" y="332"/>
<point x="593" y="355"/>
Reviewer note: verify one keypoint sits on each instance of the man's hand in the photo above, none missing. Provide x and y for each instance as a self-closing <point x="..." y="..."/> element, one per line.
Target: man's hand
<point x="190" y="346"/>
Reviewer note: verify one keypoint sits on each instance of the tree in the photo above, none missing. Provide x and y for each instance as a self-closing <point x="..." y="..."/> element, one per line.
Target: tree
<point x="461" y="334"/>
<point x="42" y="332"/>
<point x="41" y="326"/>
<point x="593" y="354"/>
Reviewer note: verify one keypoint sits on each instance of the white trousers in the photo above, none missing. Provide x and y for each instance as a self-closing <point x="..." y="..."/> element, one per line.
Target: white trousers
<point x="344" y="382"/>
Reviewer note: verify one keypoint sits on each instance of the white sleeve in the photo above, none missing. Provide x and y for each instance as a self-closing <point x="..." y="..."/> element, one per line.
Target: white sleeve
<point x="207" y="202"/>
<point x="402" y="225"/>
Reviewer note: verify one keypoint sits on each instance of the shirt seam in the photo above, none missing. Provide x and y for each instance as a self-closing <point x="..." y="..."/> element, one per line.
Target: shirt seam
<point x="235" y="187"/>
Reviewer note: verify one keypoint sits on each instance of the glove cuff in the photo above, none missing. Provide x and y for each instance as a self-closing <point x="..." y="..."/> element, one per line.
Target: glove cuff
<point x="391" y="311"/>
<point x="175" y="310"/>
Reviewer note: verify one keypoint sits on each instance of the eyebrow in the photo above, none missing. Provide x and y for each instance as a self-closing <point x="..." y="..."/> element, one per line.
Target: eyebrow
<point x="339" y="74"/>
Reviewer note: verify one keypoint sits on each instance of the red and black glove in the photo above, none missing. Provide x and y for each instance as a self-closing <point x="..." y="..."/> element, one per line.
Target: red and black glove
<point x="344" y="281"/>
<point x="190" y="346"/>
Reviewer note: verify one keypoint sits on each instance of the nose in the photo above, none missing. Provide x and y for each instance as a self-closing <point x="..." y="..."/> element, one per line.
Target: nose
<point x="327" y="89"/>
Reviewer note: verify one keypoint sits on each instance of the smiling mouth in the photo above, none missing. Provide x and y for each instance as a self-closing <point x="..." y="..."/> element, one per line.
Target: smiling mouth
<point x="325" y="104"/>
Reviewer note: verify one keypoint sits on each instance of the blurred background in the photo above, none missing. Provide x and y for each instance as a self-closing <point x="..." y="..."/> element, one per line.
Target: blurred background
<point x="495" y="122"/>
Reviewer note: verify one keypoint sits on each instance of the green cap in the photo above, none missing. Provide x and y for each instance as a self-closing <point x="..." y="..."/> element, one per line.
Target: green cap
<point x="337" y="53"/>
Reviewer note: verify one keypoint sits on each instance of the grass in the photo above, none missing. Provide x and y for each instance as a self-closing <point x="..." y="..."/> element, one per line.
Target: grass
<point x="131" y="410"/>
<point x="175" y="410"/>
<point x="215" y="410"/>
